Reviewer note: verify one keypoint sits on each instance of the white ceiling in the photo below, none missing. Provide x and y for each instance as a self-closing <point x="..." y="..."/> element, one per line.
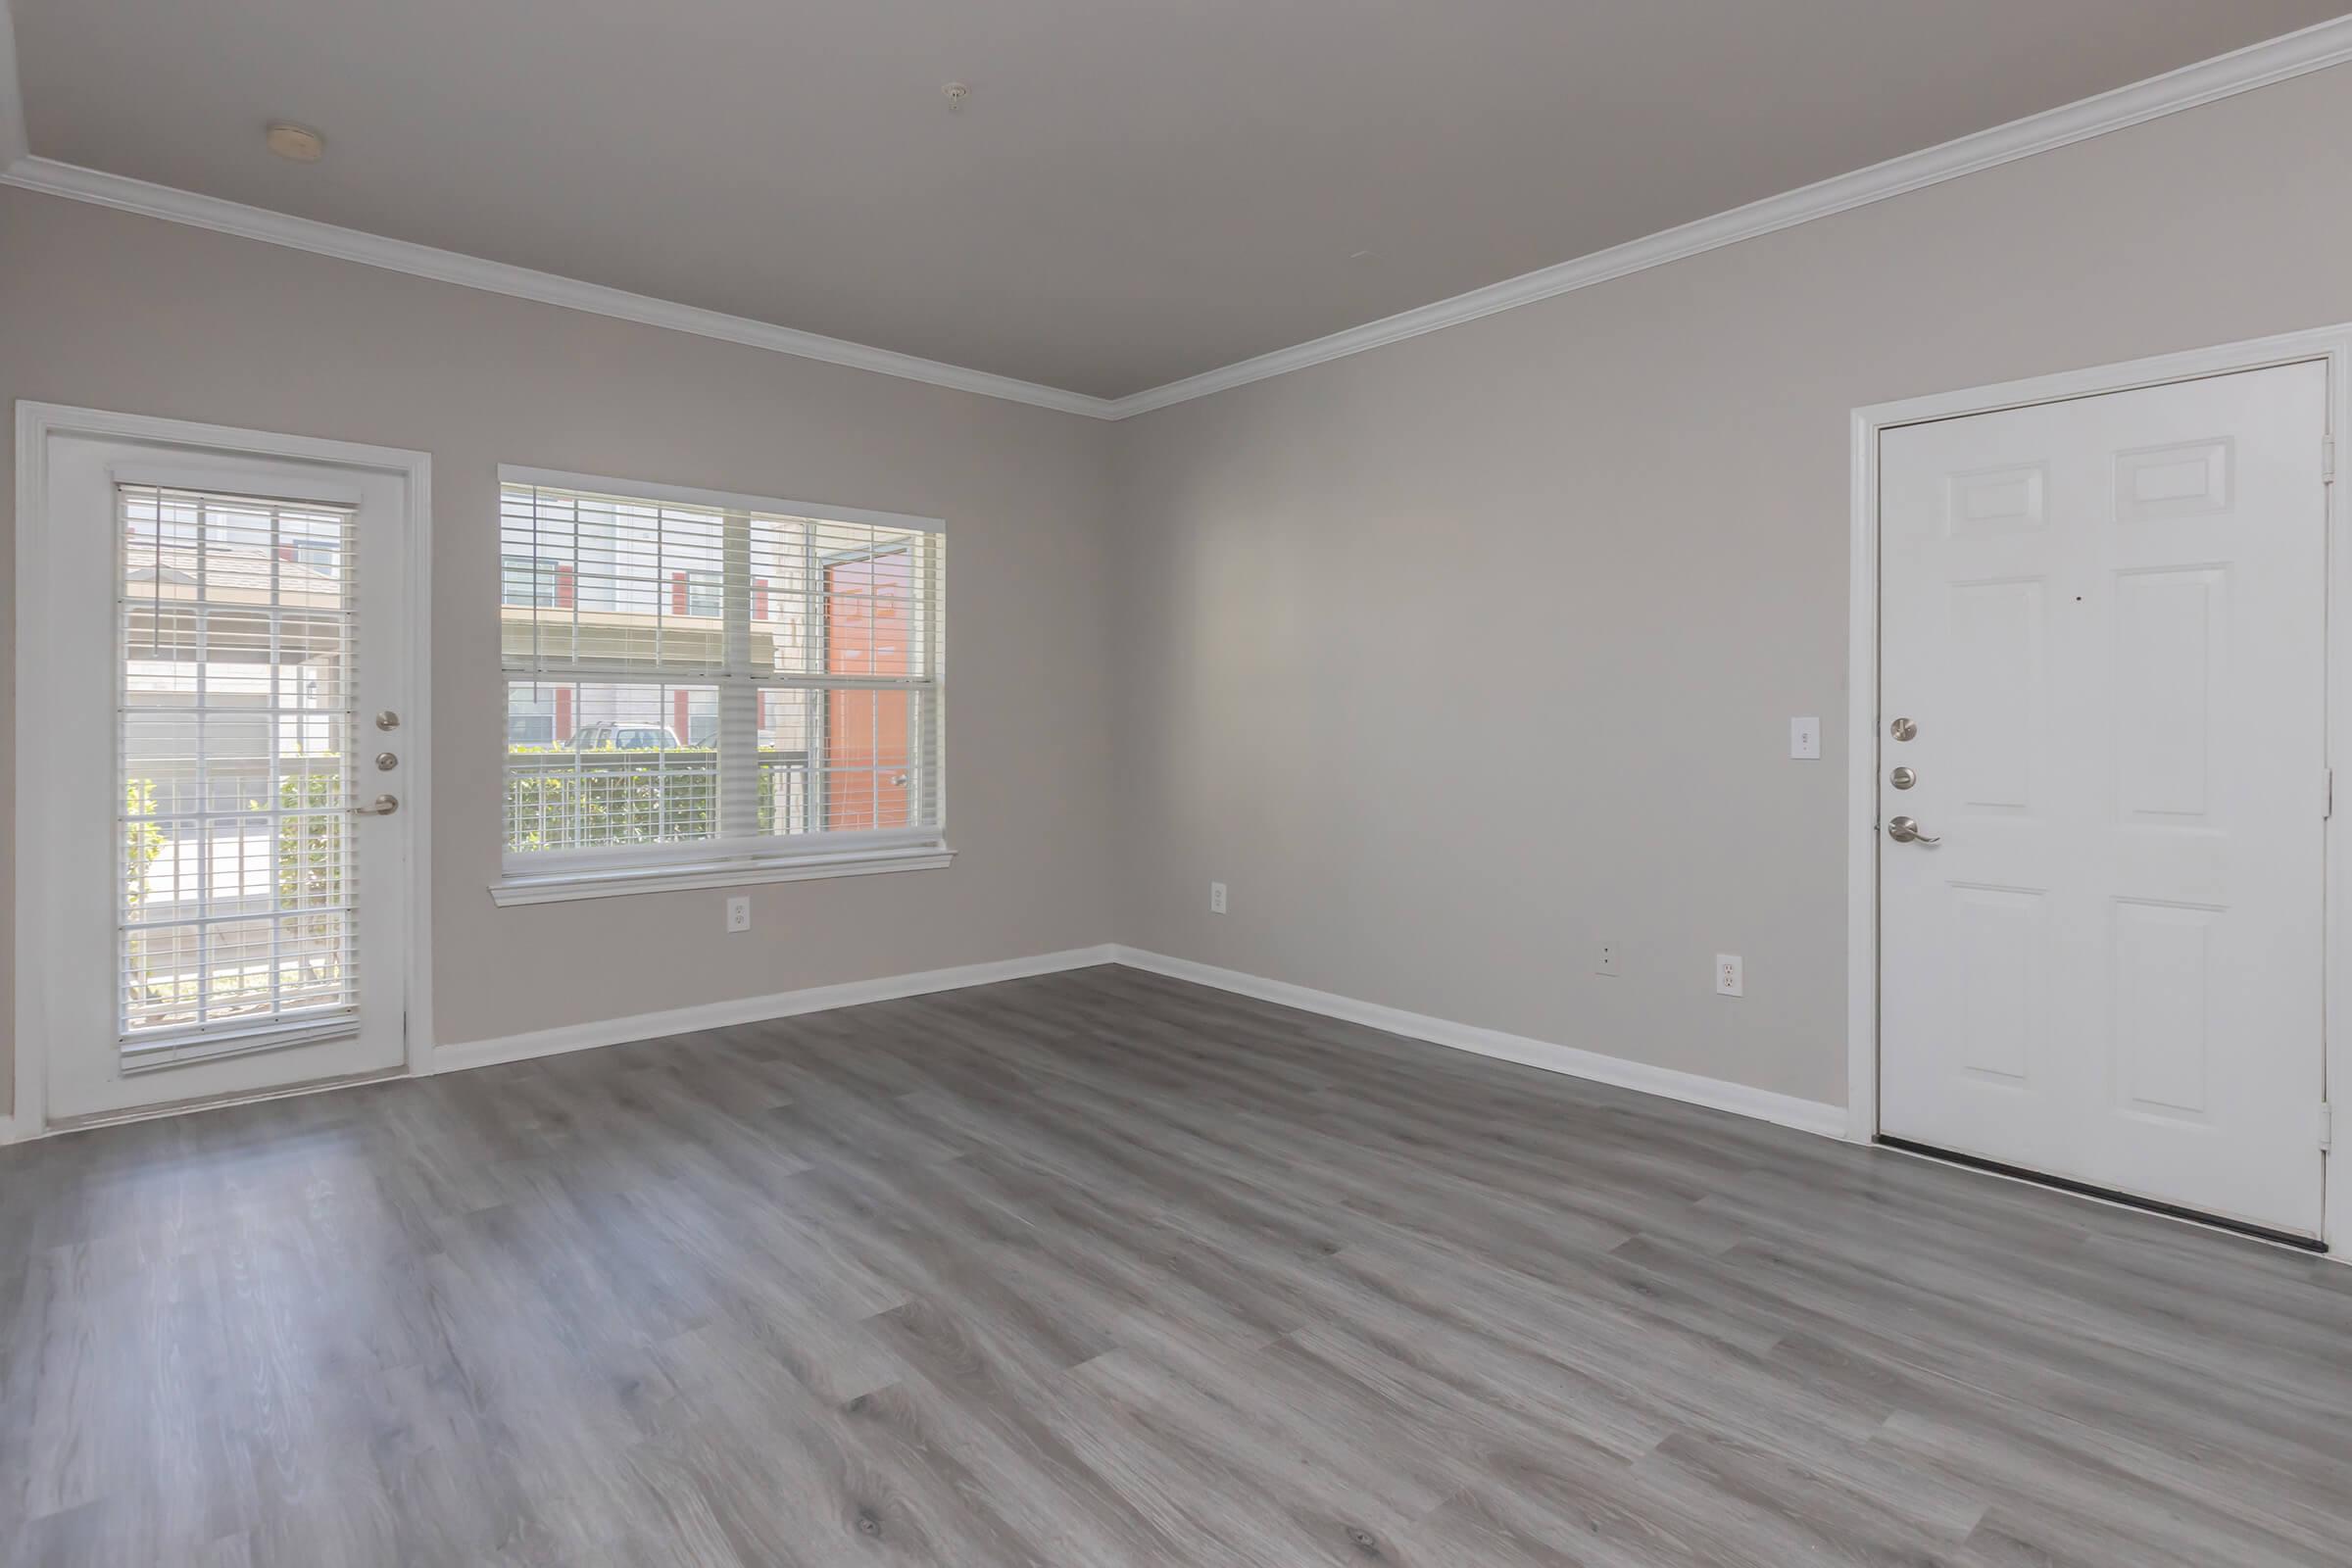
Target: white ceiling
<point x="1137" y="191"/>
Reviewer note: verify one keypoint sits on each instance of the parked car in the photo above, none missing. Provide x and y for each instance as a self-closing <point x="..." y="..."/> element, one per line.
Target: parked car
<point x="624" y="738"/>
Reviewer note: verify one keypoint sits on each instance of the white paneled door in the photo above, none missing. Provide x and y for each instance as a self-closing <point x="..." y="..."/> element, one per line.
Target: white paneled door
<point x="2102" y="695"/>
<point x="226" y="783"/>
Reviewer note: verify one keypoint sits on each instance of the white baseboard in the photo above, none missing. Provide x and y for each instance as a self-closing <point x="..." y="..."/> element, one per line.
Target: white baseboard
<point x="1717" y="1093"/>
<point x="1786" y="1110"/>
<point x="755" y="1009"/>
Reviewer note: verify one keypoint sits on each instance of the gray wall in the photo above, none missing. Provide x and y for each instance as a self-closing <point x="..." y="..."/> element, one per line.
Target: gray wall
<point x="105" y="309"/>
<point x="1454" y="658"/>
<point x="1457" y="658"/>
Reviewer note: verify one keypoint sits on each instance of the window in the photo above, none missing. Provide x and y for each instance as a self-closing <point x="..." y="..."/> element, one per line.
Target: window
<point x="703" y="688"/>
<point x="233" y="706"/>
<point x="531" y="581"/>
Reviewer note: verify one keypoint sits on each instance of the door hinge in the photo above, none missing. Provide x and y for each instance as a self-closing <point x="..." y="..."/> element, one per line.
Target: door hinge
<point x="2327" y="797"/>
<point x="2327" y="1127"/>
<point x="2327" y="459"/>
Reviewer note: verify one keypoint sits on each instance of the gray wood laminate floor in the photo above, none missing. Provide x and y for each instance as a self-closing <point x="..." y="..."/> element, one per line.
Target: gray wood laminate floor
<point x="1104" y="1269"/>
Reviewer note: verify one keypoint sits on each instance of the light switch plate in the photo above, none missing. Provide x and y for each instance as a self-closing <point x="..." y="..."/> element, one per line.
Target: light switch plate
<point x="1804" y="739"/>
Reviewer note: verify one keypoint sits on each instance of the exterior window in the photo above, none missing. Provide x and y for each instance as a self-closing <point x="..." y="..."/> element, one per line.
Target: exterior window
<point x="531" y="580"/>
<point x="707" y="680"/>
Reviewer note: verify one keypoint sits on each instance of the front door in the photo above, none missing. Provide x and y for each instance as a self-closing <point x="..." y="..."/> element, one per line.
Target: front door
<point x="227" y="856"/>
<point x="2101" y="790"/>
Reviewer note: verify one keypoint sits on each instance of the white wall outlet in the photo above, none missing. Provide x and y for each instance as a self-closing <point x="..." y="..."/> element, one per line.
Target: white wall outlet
<point x="1804" y="739"/>
<point x="1216" y="898"/>
<point x="1731" y="979"/>
<point x="739" y="912"/>
<point x="1608" y="961"/>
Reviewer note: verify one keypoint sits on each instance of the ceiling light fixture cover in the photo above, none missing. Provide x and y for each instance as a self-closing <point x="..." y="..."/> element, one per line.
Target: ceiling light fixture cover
<point x="298" y="143"/>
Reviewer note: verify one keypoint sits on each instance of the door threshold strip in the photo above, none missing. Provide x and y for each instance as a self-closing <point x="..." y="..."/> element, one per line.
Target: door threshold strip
<point x="2065" y="1184"/>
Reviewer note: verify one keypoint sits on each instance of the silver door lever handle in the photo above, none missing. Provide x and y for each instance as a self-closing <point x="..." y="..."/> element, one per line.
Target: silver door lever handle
<point x="1904" y="830"/>
<point x="385" y="806"/>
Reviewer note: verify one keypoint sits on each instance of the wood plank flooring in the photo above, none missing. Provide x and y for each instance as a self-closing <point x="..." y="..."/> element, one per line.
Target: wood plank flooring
<point x="1102" y="1269"/>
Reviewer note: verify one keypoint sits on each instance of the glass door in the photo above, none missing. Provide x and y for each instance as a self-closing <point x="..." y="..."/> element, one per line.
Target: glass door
<point x="228" y="774"/>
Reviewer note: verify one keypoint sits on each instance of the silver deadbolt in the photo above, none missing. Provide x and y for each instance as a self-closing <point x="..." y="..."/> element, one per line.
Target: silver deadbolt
<point x="387" y="720"/>
<point x="1902" y="729"/>
<point x="386" y="762"/>
<point x="1904" y="830"/>
<point x="1902" y="778"/>
<point x="385" y="806"/>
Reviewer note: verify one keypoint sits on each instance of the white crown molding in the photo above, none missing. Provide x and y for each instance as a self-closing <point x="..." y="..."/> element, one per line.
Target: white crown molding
<point x="140" y="196"/>
<point x="1691" y="1089"/>
<point x="2295" y="54"/>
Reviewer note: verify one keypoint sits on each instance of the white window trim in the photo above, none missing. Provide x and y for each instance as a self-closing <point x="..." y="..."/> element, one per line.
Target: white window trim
<point x="562" y="876"/>
<point x="608" y="882"/>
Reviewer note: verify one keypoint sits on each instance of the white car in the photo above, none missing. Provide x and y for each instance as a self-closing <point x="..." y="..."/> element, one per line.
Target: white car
<point x="624" y="738"/>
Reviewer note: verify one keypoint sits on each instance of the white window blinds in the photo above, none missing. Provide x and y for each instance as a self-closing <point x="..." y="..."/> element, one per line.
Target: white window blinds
<point x="698" y="676"/>
<point x="234" y="623"/>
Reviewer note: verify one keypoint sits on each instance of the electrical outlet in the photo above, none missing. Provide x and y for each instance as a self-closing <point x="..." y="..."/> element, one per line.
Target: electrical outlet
<point x="1216" y="898"/>
<point x="739" y="912"/>
<point x="1729" y="978"/>
<point x="1608" y="961"/>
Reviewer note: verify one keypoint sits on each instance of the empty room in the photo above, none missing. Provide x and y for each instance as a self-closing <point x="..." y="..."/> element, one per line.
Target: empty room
<point x="1042" y="784"/>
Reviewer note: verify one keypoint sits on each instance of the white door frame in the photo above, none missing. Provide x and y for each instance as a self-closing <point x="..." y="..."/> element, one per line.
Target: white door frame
<point x="36" y="423"/>
<point x="2331" y="344"/>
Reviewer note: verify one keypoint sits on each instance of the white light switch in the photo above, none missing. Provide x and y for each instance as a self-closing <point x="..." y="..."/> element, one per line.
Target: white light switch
<point x="1804" y="739"/>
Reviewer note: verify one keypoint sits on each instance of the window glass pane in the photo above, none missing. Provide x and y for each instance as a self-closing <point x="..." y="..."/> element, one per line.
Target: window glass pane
<point x="235" y="720"/>
<point x="843" y="599"/>
<point x="844" y="760"/>
<point x="622" y="764"/>
<point x="598" y="580"/>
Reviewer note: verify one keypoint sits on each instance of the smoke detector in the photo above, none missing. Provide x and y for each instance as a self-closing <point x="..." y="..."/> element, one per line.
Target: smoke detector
<point x="297" y="143"/>
<point x="955" y="92"/>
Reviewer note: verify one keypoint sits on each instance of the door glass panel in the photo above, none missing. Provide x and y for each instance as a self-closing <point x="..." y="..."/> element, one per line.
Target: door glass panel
<point x="235" y="723"/>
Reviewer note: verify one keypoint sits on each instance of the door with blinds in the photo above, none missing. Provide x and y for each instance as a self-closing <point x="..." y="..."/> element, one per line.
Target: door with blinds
<point x="230" y="774"/>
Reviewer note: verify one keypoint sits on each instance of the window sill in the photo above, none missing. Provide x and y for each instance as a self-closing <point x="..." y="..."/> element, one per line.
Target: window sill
<point x="557" y="887"/>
